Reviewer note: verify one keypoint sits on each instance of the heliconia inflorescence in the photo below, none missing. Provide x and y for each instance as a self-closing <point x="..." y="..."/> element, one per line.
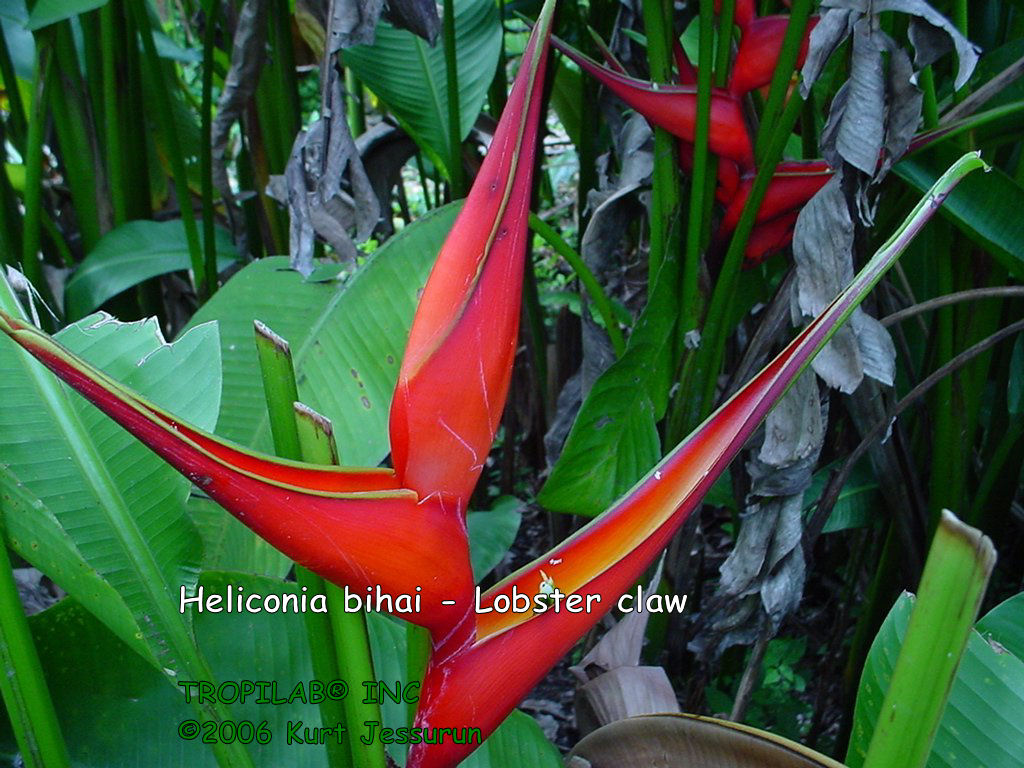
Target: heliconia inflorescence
<point x="405" y="527"/>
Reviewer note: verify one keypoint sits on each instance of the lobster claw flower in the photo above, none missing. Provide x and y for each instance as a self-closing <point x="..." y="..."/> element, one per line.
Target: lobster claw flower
<point x="605" y="558"/>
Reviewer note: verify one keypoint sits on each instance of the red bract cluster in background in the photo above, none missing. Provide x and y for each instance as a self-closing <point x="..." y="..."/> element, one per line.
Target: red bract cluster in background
<point x="674" y="108"/>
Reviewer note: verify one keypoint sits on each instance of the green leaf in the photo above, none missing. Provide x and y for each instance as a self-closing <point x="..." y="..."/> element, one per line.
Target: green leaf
<point x="983" y="206"/>
<point x="1005" y="625"/>
<point x="46" y="12"/>
<point x="614" y="440"/>
<point x="856" y="505"/>
<point x="347" y="339"/>
<point x="108" y="524"/>
<point x="130" y="254"/>
<point x="983" y="723"/>
<point x="519" y="741"/>
<point x="566" y="93"/>
<point x="409" y="76"/>
<point x="491" y="534"/>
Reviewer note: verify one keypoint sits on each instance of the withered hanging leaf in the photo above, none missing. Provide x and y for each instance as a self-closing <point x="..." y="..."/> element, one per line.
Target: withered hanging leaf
<point x="967" y="53"/>
<point x="418" y="16"/>
<point x="794" y="429"/>
<point x="384" y="149"/>
<point x="822" y="250"/>
<point x="247" y="51"/>
<point x="352" y="22"/>
<point x="312" y="187"/>
<point x="835" y="26"/>
<point x="861" y="132"/>
<point x="905" y="102"/>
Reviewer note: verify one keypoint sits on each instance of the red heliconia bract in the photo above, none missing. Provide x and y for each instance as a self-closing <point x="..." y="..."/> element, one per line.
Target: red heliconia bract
<point x="674" y="108"/>
<point x="455" y="375"/>
<point x="792" y="185"/>
<point x="759" y="50"/>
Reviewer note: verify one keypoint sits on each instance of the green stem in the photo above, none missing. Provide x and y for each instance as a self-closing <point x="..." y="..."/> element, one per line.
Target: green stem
<point x="726" y="18"/>
<point x="586" y="277"/>
<point x="17" y="120"/>
<point x="665" y="198"/>
<point x="68" y="106"/>
<point x="29" y="706"/>
<point x="948" y="599"/>
<point x="301" y="434"/>
<point x="354" y="107"/>
<point x="690" y="299"/>
<point x="165" y="114"/>
<point x="946" y="455"/>
<point x="930" y="107"/>
<point x="351" y="638"/>
<point x="712" y="348"/>
<point x="455" y="172"/>
<point x="31" y="232"/>
<point x="782" y="77"/>
<point x="111" y="114"/>
<point x="206" y="150"/>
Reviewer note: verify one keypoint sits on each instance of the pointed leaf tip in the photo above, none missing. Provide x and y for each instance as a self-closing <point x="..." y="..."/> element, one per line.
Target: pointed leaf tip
<point x="454" y="377"/>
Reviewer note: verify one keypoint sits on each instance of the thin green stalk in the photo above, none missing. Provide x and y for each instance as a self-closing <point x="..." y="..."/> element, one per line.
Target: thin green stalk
<point x="16" y="119"/>
<point x="455" y="171"/>
<point x="68" y="106"/>
<point x="946" y="444"/>
<point x="665" y="197"/>
<point x="690" y="298"/>
<point x="417" y="656"/>
<point x="165" y="114"/>
<point x="351" y="645"/>
<point x="948" y="598"/>
<point x="930" y="107"/>
<point x="354" y="106"/>
<point x="726" y="17"/>
<point x="206" y="150"/>
<point x="135" y="133"/>
<point x="29" y="706"/>
<point x="781" y="78"/>
<point x="281" y="395"/>
<point x="586" y="277"/>
<point x="712" y="347"/>
<point x="33" y="198"/>
<point x="111" y="114"/>
<point x="995" y="465"/>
